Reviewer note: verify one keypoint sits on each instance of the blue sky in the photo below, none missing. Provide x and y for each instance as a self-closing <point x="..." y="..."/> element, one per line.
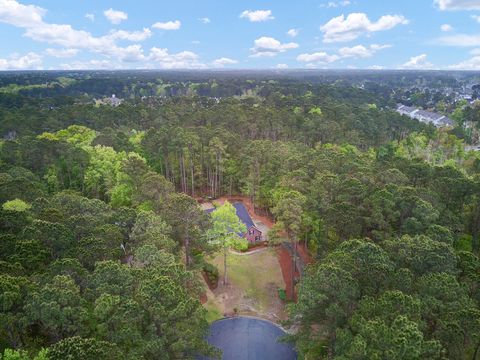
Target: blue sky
<point x="105" y="34"/>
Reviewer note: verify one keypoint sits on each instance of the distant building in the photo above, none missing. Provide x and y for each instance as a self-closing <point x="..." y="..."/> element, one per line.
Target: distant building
<point x="405" y="110"/>
<point x="112" y="101"/>
<point x="253" y="234"/>
<point x="424" y="116"/>
<point x="472" y="148"/>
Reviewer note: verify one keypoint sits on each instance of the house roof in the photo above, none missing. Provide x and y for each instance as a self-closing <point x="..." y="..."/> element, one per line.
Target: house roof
<point x="406" y="109"/>
<point x="242" y="214"/>
<point x="425" y="116"/>
<point x="446" y="121"/>
<point x="429" y="115"/>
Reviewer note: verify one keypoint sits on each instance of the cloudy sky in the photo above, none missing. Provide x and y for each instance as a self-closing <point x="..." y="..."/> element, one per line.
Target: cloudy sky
<point x="179" y="34"/>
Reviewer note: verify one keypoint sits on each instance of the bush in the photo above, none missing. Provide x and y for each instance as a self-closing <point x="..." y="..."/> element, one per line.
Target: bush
<point x="282" y="294"/>
<point x="240" y="244"/>
<point x="211" y="272"/>
<point x="16" y="205"/>
<point x="77" y="348"/>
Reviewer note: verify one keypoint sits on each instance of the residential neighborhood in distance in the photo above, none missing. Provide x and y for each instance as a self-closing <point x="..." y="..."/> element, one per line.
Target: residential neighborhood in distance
<point x="427" y="117"/>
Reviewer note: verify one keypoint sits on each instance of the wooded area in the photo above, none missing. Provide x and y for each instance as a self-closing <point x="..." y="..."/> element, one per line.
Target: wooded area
<point x="102" y="239"/>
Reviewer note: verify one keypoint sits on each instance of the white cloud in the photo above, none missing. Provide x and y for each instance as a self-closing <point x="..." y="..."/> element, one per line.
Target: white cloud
<point x="293" y="32"/>
<point x="30" y="18"/>
<point x="417" y="62"/>
<point x="318" y="57"/>
<point x="224" y="61"/>
<point x="349" y="28"/>
<point x="130" y="35"/>
<point x="470" y="64"/>
<point x="376" y="67"/>
<point x="281" y="66"/>
<point x="333" y="4"/>
<point x="90" y="17"/>
<point x="14" y="13"/>
<point x="182" y="60"/>
<point x="360" y="51"/>
<point x="61" y="53"/>
<point x="131" y="53"/>
<point x="157" y="58"/>
<point x="458" y="4"/>
<point x="446" y="28"/>
<point x="169" y="25"/>
<point x="115" y="16"/>
<point x="268" y="46"/>
<point x="17" y="62"/>
<point x="257" y="15"/>
<point x="66" y="36"/>
<point x="204" y="20"/>
<point x="461" y="40"/>
<point x="90" y="65"/>
<point x="476" y="18"/>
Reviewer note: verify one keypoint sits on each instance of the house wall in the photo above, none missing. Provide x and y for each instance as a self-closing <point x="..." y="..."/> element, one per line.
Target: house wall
<point x="253" y="235"/>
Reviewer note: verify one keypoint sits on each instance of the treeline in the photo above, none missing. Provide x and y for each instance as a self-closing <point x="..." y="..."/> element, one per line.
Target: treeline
<point x="206" y="146"/>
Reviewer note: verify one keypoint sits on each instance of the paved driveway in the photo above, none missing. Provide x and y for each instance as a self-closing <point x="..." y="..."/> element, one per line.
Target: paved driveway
<point x="244" y="338"/>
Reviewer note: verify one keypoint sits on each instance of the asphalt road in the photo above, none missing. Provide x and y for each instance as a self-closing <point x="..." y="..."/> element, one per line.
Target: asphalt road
<point x="243" y="338"/>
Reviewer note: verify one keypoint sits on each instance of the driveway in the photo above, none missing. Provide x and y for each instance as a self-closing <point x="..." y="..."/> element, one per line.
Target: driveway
<point x="245" y="338"/>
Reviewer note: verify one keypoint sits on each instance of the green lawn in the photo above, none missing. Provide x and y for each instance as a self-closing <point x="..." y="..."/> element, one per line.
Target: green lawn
<point x="213" y="313"/>
<point x="255" y="274"/>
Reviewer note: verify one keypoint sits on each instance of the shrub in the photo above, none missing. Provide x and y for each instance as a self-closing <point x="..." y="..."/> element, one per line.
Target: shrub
<point x="16" y="205"/>
<point x="211" y="272"/>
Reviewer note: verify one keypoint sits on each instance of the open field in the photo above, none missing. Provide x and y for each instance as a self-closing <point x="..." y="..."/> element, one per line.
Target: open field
<point x="253" y="283"/>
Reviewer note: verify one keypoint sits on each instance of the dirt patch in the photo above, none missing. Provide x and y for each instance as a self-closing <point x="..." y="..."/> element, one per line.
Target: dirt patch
<point x="285" y="260"/>
<point x="303" y="253"/>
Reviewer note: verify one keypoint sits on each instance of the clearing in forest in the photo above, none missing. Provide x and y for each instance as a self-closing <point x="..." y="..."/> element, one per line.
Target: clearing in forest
<point x="252" y="289"/>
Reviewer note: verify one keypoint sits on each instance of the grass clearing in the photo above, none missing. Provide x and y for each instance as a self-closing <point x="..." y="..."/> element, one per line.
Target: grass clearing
<point x="253" y="281"/>
<point x="213" y="312"/>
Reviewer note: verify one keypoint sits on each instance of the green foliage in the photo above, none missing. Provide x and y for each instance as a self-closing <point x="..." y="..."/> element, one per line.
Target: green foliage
<point x="10" y="354"/>
<point x="74" y="134"/>
<point x="388" y="206"/>
<point x="315" y="111"/>
<point x="150" y="228"/>
<point x="77" y="348"/>
<point x="226" y="226"/>
<point x="16" y="205"/>
<point x="225" y="230"/>
<point x="366" y="310"/>
<point x="212" y="274"/>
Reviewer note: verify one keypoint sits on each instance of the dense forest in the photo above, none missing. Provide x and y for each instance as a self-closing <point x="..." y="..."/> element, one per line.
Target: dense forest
<point x="102" y="239"/>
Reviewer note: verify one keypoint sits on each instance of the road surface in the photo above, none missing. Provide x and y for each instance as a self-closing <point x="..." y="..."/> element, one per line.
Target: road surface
<point x="245" y="338"/>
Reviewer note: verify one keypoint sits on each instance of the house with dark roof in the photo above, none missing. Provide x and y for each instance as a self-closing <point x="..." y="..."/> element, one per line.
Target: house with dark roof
<point x="253" y="234"/>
